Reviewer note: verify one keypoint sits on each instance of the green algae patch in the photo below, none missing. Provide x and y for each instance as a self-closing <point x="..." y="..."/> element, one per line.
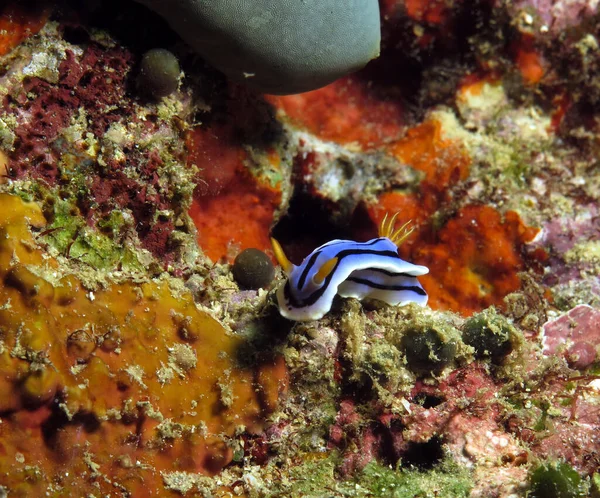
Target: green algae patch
<point x="429" y="345"/>
<point x="310" y="479"/>
<point x="555" y="480"/>
<point x="382" y="363"/>
<point x="448" y="480"/>
<point x="69" y="234"/>
<point x="318" y="476"/>
<point x="595" y="489"/>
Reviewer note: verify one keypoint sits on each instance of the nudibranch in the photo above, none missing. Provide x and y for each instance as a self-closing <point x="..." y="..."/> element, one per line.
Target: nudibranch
<point x="361" y="270"/>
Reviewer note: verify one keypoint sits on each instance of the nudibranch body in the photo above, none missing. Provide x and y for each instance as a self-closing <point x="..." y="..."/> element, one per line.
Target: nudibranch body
<point x="361" y="270"/>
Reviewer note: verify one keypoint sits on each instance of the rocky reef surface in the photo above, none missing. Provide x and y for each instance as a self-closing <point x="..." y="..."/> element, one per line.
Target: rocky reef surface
<point x="133" y="363"/>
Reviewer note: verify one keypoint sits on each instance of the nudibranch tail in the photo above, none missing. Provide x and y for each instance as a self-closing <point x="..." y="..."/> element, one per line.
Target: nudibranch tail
<point x="285" y="263"/>
<point x="397" y="236"/>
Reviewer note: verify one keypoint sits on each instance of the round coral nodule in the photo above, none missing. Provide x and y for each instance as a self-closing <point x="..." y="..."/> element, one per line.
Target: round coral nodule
<point x="111" y="340"/>
<point x="490" y="335"/>
<point x="159" y="73"/>
<point x="253" y="269"/>
<point x="428" y="351"/>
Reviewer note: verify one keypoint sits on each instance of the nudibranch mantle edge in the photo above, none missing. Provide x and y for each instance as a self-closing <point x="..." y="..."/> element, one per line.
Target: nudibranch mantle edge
<point x="371" y="269"/>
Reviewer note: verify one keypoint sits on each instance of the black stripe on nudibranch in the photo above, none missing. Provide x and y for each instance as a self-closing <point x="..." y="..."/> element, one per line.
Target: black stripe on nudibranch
<point x="412" y="288"/>
<point x="389" y="273"/>
<point x="289" y="297"/>
<point x="316" y="295"/>
<point x="309" y="265"/>
<point x="316" y="254"/>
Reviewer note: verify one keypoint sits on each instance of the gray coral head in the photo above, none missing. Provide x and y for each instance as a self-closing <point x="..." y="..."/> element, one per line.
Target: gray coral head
<point x="278" y="46"/>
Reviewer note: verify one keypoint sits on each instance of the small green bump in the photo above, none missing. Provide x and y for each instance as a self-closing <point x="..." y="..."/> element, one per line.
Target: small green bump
<point x="429" y="349"/>
<point x="253" y="269"/>
<point x="159" y="73"/>
<point x="490" y="335"/>
<point x="555" y="480"/>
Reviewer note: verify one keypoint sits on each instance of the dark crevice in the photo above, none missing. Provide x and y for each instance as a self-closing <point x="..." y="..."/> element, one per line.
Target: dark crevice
<point x="428" y="400"/>
<point x="424" y="456"/>
<point x="388" y="453"/>
<point x="307" y="224"/>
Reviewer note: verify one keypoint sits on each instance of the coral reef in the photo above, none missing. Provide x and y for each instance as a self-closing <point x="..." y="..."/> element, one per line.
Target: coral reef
<point x="141" y="349"/>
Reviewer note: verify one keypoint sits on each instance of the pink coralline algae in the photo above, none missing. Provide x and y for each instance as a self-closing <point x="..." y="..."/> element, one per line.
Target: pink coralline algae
<point x="95" y="81"/>
<point x="360" y="444"/>
<point x="576" y="334"/>
<point x="79" y="128"/>
<point x="462" y="411"/>
<point x="572" y="244"/>
<point x="558" y="15"/>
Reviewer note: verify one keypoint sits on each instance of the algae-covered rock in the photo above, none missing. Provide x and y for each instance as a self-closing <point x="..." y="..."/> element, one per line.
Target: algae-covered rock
<point x="490" y="335"/>
<point x="99" y="361"/>
<point x="253" y="269"/>
<point x="429" y="346"/>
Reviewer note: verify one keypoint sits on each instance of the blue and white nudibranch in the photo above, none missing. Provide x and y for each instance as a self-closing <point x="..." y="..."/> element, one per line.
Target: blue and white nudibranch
<point x="361" y="270"/>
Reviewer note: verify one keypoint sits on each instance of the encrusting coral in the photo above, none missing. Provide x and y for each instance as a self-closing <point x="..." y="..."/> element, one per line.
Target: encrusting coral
<point x="115" y="388"/>
<point x="229" y="194"/>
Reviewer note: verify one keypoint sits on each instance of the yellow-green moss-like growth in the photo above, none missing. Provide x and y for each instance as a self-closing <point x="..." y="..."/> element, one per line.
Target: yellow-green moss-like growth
<point x="429" y="346"/>
<point x="491" y="335"/>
